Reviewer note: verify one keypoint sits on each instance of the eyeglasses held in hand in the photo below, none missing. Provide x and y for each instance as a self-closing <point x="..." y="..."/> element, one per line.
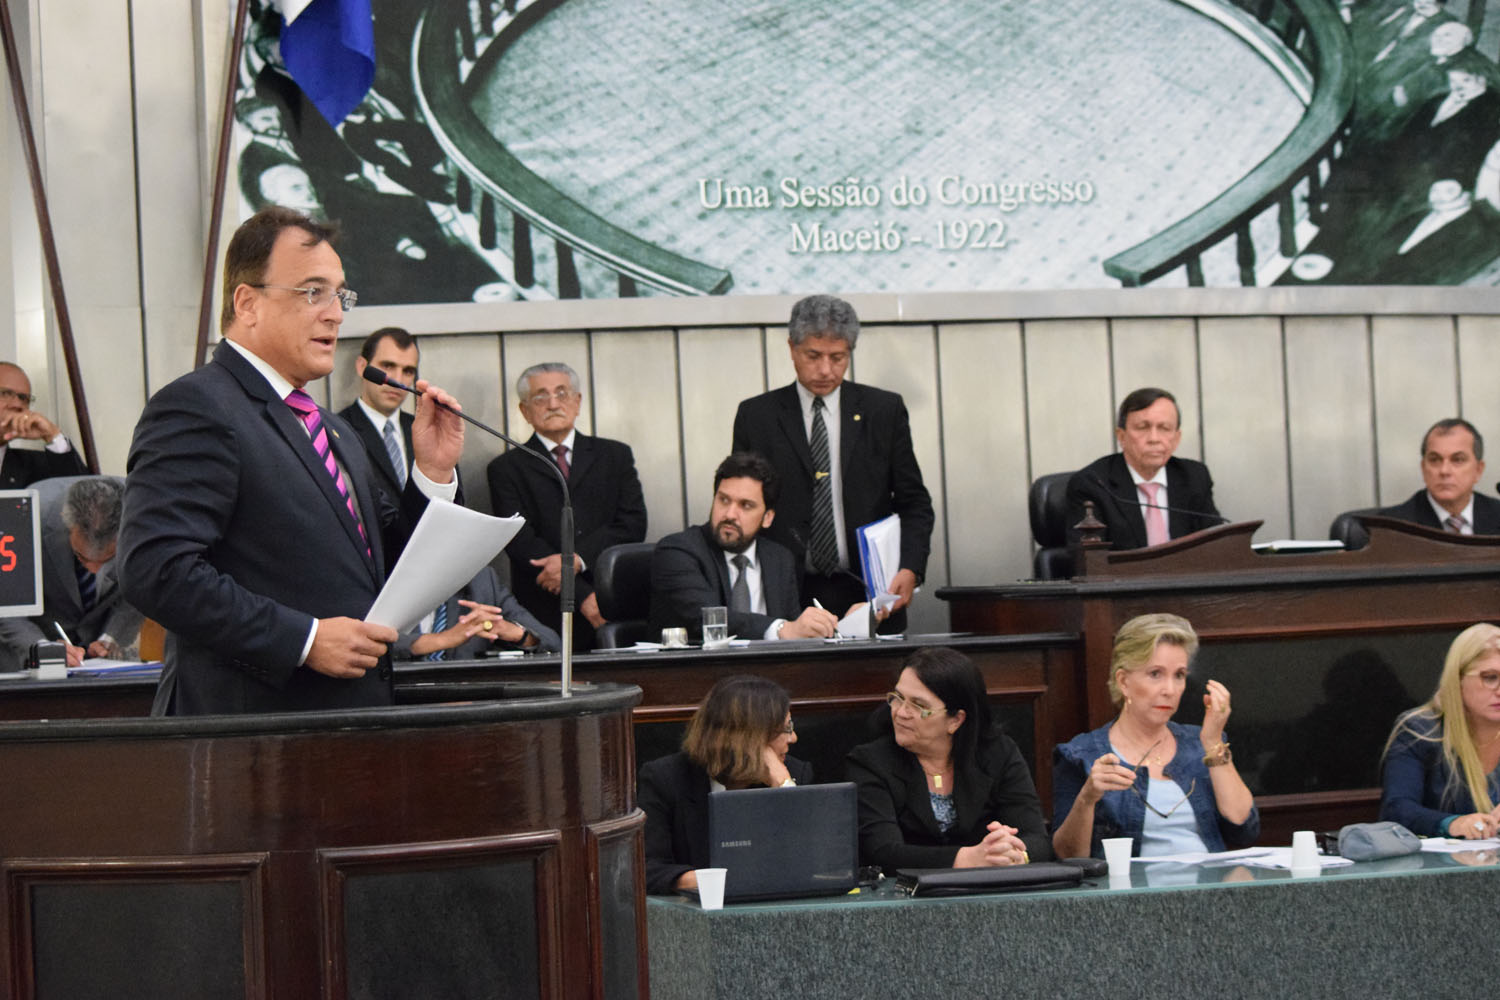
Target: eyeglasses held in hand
<point x="1135" y="785"/>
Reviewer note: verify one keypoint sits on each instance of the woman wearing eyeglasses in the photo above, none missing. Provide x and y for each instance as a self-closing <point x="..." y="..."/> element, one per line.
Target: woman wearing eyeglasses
<point x="738" y="738"/>
<point x="944" y="788"/>
<point x="1440" y="761"/>
<point x="1172" y="788"/>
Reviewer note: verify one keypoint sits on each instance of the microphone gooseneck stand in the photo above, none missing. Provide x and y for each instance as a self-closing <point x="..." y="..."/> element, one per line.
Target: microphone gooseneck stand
<point x="378" y="377"/>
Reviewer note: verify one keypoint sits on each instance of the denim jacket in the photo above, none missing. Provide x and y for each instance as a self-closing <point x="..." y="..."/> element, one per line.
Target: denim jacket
<point x="1123" y="813"/>
<point x="1420" y="791"/>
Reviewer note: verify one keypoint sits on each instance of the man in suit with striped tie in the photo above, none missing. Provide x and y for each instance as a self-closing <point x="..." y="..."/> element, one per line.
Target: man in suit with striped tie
<point x="844" y="453"/>
<point x="1452" y="465"/>
<point x="609" y="507"/>
<point x="376" y="416"/>
<point x="253" y="529"/>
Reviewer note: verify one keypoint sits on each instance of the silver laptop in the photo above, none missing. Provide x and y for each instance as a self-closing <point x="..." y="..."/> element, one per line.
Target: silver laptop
<point x="780" y="843"/>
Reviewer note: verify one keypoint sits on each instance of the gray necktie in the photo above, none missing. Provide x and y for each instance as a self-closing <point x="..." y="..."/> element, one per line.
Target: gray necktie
<point x="393" y="449"/>
<point x="824" y="552"/>
<point x="1453" y="524"/>
<point x="739" y="594"/>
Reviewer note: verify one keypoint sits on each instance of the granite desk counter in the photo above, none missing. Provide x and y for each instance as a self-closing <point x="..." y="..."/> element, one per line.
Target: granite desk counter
<point x="1378" y="929"/>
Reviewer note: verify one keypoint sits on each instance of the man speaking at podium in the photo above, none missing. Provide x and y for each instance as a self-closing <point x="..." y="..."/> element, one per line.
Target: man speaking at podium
<point x="253" y="528"/>
<point x="1144" y="494"/>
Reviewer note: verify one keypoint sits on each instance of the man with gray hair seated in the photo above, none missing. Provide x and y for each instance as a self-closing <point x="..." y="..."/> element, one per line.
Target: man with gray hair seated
<point x="80" y="585"/>
<point x="609" y="507"/>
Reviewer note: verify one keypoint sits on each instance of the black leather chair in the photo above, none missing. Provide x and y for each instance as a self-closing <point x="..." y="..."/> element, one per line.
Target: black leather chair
<point x="1347" y="529"/>
<point x="1047" y="502"/>
<point x="622" y="584"/>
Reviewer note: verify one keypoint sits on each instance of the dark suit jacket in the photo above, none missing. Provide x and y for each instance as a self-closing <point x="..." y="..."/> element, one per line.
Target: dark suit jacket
<point x="688" y="573"/>
<point x="1417" y="510"/>
<point x="235" y="539"/>
<point x="673" y="793"/>
<point x="24" y="466"/>
<point x="485" y="588"/>
<point x="1107" y="482"/>
<point x="61" y="602"/>
<point x="897" y="828"/>
<point x="380" y="460"/>
<point x="608" y="509"/>
<point x="876" y="460"/>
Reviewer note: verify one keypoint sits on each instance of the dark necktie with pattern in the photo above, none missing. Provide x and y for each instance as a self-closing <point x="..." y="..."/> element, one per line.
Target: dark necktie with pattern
<point x="302" y="404"/>
<point x="393" y="449"/>
<point x="824" y="551"/>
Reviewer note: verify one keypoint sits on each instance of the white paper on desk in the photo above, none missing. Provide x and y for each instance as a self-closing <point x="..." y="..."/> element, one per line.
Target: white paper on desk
<point x="450" y="544"/>
<point x="1453" y="845"/>
<point x="1206" y="857"/>
<point x="1281" y="857"/>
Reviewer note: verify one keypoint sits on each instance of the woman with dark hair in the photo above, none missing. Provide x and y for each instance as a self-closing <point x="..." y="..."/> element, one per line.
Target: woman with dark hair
<point x="945" y="788"/>
<point x="738" y="738"/>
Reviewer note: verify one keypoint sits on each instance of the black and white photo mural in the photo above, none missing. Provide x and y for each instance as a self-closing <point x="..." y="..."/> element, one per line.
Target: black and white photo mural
<point x="592" y="148"/>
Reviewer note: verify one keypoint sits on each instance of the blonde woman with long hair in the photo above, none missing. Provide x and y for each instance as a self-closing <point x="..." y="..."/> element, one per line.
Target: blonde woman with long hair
<point x="1440" y="761"/>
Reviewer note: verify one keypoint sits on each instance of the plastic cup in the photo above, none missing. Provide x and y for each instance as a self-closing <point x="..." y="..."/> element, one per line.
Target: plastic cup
<point x="1305" y="851"/>
<point x="711" y="887"/>
<point x="1117" y="853"/>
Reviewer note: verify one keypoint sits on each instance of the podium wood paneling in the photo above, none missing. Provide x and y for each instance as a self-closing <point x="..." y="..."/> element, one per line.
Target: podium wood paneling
<point x="442" y="850"/>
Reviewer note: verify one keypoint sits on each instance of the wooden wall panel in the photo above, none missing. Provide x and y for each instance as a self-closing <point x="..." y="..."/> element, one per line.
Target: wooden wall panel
<point x="636" y="401"/>
<point x="718" y="369"/>
<point x="986" y="464"/>
<point x="1067" y="393"/>
<point x="1416" y="383"/>
<point x="1244" y="420"/>
<point x="1478" y="361"/>
<point x="1332" y="452"/>
<point x="904" y="360"/>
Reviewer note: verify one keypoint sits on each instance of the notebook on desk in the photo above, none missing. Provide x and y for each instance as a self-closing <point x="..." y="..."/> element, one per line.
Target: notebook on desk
<point x="780" y="843"/>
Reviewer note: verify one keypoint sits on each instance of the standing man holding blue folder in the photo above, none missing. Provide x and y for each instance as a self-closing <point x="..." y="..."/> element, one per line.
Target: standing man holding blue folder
<point x="802" y="428"/>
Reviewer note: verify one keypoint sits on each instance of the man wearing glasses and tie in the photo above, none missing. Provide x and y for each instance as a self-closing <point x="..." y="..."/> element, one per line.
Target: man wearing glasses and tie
<point x="609" y="507"/>
<point x="20" y="467"/>
<point x="253" y="528"/>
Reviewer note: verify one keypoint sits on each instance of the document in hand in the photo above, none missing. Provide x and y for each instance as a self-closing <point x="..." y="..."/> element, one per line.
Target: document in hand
<point x="448" y="547"/>
<point x="880" y="553"/>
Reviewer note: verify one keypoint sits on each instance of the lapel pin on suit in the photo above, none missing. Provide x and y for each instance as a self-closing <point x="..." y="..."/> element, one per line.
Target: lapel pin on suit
<point x="856" y="416"/>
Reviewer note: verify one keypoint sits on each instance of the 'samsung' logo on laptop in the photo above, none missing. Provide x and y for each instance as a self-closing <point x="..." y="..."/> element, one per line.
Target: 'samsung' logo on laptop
<point x="735" y="843"/>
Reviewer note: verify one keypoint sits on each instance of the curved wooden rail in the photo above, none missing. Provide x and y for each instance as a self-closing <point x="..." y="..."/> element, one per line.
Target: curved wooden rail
<point x="1311" y="29"/>
<point x="444" y="59"/>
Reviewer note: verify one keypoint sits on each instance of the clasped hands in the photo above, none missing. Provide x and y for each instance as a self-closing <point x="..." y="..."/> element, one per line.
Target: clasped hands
<point x="347" y="647"/>
<point x="1001" y="846"/>
<point x="27" y="424"/>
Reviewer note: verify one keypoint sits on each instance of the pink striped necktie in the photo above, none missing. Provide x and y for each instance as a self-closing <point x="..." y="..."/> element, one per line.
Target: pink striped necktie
<point x="302" y="404"/>
<point x="1156" y="518"/>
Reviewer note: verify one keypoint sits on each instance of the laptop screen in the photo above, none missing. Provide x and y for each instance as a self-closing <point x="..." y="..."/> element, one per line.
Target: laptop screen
<point x="779" y="843"/>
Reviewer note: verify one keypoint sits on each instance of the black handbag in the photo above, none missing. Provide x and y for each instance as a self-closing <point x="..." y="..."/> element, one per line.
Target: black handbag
<point x="972" y="881"/>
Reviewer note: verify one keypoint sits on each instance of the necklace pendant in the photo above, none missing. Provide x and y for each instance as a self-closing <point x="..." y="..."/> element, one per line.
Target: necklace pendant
<point x="937" y="781"/>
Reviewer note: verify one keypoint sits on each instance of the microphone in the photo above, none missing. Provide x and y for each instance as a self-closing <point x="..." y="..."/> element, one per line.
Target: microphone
<point x="566" y="530"/>
<point x="1138" y="502"/>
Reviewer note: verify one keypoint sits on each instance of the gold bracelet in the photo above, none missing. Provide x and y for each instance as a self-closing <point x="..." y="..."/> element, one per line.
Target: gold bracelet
<point x="1218" y="756"/>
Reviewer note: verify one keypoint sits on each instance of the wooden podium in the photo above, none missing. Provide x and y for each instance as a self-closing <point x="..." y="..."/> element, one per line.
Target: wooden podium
<point x="482" y="849"/>
<point x="1288" y="632"/>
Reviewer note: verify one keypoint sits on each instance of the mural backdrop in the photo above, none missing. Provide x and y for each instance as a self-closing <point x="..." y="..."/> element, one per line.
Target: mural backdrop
<point x="590" y="148"/>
